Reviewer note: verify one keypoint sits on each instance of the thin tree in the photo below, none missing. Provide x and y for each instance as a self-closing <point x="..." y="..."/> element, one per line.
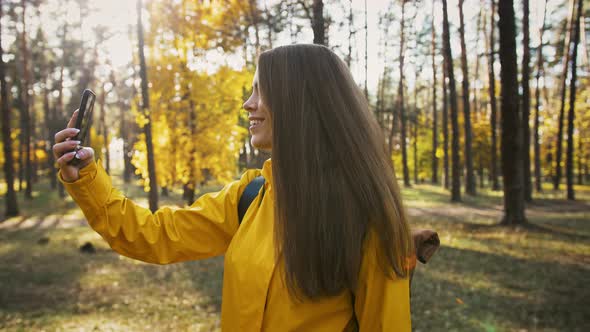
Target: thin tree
<point x="448" y="54"/>
<point x="318" y="22"/>
<point x="445" y="125"/>
<point x="367" y="52"/>
<point x="434" y="115"/>
<point x="571" y="112"/>
<point x="469" y="177"/>
<point x="415" y="124"/>
<point x="145" y="105"/>
<point x="526" y="102"/>
<point x="26" y="103"/>
<point x="566" y="60"/>
<point x="401" y="102"/>
<point x="350" y="34"/>
<point x="511" y="145"/>
<point x="316" y="18"/>
<point x="493" y="104"/>
<point x="478" y="31"/>
<point x="537" y="147"/>
<point x="103" y="125"/>
<point x="10" y="200"/>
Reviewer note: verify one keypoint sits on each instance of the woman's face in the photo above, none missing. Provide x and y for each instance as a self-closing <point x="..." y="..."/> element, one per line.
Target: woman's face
<point x="260" y="120"/>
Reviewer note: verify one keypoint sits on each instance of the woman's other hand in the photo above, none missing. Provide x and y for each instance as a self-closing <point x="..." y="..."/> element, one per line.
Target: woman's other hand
<point x="65" y="149"/>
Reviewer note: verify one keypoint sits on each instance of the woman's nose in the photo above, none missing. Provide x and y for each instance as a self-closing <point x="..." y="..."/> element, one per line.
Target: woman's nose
<point x="249" y="105"/>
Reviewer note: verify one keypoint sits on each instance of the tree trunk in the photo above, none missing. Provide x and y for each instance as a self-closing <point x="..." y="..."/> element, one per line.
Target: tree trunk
<point x="493" y="104"/>
<point x="350" y="35"/>
<point x="126" y="144"/>
<point x="469" y="177"/>
<point x="153" y="194"/>
<point x="103" y="125"/>
<point x="511" y="145"/>
<point x="526" y="103"/>
<point x="434" y="115"/>
<point x="580" y="159"/>
<point x="10" y="200"/>
<point x="571" y="112"/>
<point x="401" y="106"/>
<point x="367" y="47"/>
<point x="269" y="25"/>
<point x="50" y="123"/>
<point x="318" y="23"/>
<point x="415" y="145"/>
<point x="475" y="104"/>
<point x="566" y="60"/>
<point x="59" y="111"/>
<point x="26" y="119"/>
<point x="189" y="188"/>
<point x="537" y="146"/>
<point x="456" y="184"/>
<point x="445" y="118"/>
<point x="254" y="18"/>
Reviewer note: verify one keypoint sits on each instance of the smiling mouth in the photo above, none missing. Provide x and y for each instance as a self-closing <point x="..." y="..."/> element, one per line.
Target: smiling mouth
<point x="255" y="123"/>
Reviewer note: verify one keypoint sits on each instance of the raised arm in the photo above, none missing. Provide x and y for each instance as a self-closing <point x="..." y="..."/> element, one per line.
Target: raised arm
<point x="169" y="235"/>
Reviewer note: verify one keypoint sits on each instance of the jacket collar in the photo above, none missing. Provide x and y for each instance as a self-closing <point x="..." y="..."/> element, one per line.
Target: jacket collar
<point x="267" y="174"/>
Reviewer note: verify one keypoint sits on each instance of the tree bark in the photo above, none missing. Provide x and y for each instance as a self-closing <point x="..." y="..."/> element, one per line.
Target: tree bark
<point x="350" y="35"/>
<point x="469" y="177"/>
<point x="10" y="200"/>
<point x="153" y="194"/>
<point x="103" y="126"/>
<point x="526" y="103"/>
<point x="445" y="118"/>
<point x="318" y="23"/>
<point x="566" y="60"/>
<point x="367" y="48"/>
<point x="511" y="145"/>
<point x="401" y="106"/>
<point x="475" y="103"/>
<point x="537" y="147"/>
<point x="59" y="112"/>
<point x="571" y="112"/>
<point x="434" y="178"/>
<point x="493" y="104"/>
<point x="26" y="118"/>
<point x="456" y="184"/>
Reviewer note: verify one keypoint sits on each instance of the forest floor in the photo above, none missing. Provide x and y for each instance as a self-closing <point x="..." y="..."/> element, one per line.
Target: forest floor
<point x="485" y="277"/>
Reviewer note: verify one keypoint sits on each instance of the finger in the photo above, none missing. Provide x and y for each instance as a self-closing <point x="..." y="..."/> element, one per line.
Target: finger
<point x="63" y="160"/>
<point x="60" y="148"/>
<point x="72" y="121"/>
<point x="62" y="135"/>
<point x="85" y="153"/>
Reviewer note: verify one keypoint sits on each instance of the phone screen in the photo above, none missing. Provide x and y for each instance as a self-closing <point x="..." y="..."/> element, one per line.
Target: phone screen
<point x="85" y="111"/>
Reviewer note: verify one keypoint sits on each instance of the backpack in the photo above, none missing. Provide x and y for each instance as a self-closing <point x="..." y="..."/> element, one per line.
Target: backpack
<point x="250" y="193"/>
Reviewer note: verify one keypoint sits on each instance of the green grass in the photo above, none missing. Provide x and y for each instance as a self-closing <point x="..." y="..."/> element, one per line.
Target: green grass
<point x="485" y="277"/>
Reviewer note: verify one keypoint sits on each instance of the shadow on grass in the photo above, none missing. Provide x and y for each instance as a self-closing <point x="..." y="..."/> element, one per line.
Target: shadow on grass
<point x="475" y="291"/>
<point x="46" y="201"/>
<point x="38" y="277"/>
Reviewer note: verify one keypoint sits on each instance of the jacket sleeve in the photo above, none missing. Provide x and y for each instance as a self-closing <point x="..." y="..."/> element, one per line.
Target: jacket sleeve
<point x="168" y="235"/>
<point x="381" y="303"/>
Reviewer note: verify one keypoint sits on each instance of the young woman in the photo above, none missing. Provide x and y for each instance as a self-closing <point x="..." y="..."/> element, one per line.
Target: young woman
<point x="326" y="248"/>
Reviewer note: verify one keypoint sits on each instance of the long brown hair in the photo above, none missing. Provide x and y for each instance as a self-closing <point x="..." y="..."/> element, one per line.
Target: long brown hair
<point x="333" y="178"/>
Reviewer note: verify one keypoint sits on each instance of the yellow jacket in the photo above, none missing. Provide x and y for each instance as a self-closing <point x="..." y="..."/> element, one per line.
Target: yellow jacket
<point x="255" y="296"/>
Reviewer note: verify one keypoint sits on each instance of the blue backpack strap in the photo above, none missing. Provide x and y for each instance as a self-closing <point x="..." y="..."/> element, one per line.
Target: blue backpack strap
<point x="249" y="195"/>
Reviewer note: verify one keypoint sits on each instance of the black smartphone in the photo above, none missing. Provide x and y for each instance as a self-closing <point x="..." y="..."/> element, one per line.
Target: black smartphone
<point x="84" y="119"/>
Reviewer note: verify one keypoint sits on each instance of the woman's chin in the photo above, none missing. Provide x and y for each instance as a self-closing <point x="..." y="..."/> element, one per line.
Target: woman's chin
<point x="260" y="145"/>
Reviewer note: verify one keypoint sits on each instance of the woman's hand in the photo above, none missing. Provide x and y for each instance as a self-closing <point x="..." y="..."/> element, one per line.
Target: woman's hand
<point x="65" y="149"/>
